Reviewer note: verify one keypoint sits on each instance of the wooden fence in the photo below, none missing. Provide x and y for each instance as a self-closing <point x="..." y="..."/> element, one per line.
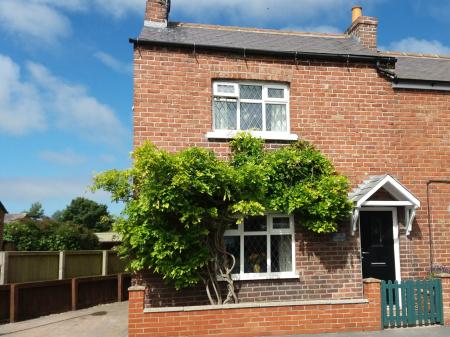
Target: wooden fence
<point x="22" y="301"/>
<point x="411" y="303"/>
<point x="19" y="267"/>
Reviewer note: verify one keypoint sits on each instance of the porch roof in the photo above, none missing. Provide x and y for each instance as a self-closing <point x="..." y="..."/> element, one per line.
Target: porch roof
<point x="362" y="193"/>
<point x="403" y="197"/>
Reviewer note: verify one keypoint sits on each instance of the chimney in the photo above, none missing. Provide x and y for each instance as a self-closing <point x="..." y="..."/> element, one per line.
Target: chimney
<point x="157" y="13"/>
<point x="363" y="28"/>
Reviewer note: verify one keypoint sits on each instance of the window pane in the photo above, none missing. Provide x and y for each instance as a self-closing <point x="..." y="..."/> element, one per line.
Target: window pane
<point x="276" y="119"/>
<point x="233" y="246"/>
<point x="255" y="254"/>
<point x="281" y="253"/>
<point x="251" y="116"/>
<point x="275" y="93"/>
<point x="251" y="92"/>
<point x="280" y="223"/>
<point x="225" y="89"/>
<point x="225" y="114"/>
<point x="255" y="224"/>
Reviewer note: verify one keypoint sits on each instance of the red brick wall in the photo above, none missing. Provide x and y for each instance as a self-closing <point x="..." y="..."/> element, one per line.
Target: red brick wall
<point x="350" y="112"/>
<point x="263" y="321"/>
<point x="446" y="298"/>
<point x="440" y="224"/>
<point x="327" y="270"/>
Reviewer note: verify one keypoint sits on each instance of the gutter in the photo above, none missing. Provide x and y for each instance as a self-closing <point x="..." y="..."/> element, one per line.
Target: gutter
<point x="298" y="55"/>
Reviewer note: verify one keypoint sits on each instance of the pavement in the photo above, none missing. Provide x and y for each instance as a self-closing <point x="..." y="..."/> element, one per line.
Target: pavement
<point x="433" y="331"/>
<point x="109" y="320"/>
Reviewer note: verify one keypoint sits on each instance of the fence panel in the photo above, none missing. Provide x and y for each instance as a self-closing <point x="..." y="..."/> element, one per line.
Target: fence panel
<point x="96" y="290"/>
<point x="115" y="263"/>
<point x="411" y="303"/>
<point x="83" y="263"/>
<point x="32" y="266"/>
<point x="4" y="304"/>
<point x="42" y="298"/>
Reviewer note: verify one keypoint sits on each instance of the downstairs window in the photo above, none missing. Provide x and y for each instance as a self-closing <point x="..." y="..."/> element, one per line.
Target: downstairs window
<point x="263" y="247"/>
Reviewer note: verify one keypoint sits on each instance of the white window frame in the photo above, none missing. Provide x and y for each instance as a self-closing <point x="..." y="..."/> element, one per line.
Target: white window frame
<point x="263" y="133"/>
<point x="270" y="231"/>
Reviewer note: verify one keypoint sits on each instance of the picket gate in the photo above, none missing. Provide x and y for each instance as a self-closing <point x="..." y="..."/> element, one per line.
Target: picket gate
<point x="411" y="303"/>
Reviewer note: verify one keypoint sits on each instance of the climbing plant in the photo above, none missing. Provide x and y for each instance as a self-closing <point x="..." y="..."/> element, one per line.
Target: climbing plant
<point x="178" y="205"/>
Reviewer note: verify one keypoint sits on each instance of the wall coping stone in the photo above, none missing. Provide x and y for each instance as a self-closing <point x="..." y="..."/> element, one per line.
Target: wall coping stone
<point x="371" y="280"/>
<point x="136" y="288"/>
<point x="255" y="305"/>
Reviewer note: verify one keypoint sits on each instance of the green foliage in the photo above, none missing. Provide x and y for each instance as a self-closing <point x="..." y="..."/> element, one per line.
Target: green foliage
<point x="87" y="213"/>
<point x="176" y="205"/>
<point x="49" y="235"/>
<point x="36" y="211"/>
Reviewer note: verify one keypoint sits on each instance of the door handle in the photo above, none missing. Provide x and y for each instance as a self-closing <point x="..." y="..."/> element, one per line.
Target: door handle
<point x="365" y="253"/>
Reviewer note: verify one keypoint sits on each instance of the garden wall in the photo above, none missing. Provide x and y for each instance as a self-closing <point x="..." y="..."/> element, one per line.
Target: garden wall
<point x="256" y="319"/>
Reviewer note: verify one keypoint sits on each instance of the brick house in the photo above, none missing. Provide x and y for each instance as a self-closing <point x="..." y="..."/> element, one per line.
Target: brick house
<point x="3" y="211"/>
<point x="383" y="119"/>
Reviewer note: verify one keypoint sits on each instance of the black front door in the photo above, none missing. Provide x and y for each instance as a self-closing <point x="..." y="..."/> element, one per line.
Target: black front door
<point x="377" y="245"/>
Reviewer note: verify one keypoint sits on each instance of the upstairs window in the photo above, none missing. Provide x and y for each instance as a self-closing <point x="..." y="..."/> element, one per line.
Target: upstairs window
<point x="263" y="247"/>
<point x="251" y="106"/>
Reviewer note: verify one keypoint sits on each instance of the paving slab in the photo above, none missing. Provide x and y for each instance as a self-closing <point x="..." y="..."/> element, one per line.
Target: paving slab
<point x="433" y="331"/>
<point x="109" y="320"/>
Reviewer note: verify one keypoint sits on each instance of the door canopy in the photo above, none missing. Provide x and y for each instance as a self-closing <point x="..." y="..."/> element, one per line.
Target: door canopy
<point x="361" y="197"/>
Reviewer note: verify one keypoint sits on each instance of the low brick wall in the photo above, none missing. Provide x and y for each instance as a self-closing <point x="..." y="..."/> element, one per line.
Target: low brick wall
<point x="446" y="297"/>
<point x="284" y="318"/>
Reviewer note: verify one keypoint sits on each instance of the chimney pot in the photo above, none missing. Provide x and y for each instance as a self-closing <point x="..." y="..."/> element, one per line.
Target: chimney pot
<point x="356" y="13"/>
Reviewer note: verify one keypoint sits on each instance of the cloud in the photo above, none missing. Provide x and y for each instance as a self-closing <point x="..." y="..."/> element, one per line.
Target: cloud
<point x="113" y="63"/>
<point x="107" y="158"/>
<point x="43" y="100"/>
<point x="32" y="21"/>
<point x="21" y="110"/>
<point x="414" y="45"/>
<point x="30" y="189"/>
<point x="66" y="158"/>
<point x="47" y="20"/>
<point x="75" y="110"/>
<point x="258" y="12"/>
<point x="314" y="29"/>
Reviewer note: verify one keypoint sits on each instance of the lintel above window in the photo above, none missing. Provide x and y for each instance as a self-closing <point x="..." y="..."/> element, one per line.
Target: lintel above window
<point x="260" y="108"/>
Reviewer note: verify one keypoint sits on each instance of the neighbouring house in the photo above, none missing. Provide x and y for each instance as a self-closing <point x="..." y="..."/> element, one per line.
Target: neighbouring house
<point x="3" y="212"/>
<point x="13" y="217"/>
<point x="108" y="240"/>
<point x="383" y="118"/>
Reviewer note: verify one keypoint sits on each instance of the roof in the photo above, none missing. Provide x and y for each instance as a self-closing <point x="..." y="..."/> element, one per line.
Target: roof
<point x="109" y="237"/>
<point x="268" y="41"/>
<point x="423" y="68"/>
<point x="3" y="208"/>
<point x="367" y="188"/>
<point x="409" y="67"/>
<point x="14" y="217"/>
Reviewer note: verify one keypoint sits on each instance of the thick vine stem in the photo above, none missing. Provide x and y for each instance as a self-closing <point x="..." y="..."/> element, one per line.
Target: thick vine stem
<point x="219" y="268"/>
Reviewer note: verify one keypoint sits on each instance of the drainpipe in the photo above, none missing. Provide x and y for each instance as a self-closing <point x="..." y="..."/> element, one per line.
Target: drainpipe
<point x="430" y="182"/>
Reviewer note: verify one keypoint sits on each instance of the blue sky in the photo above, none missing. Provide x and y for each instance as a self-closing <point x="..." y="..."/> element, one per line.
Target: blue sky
<point x="66" y="79"/>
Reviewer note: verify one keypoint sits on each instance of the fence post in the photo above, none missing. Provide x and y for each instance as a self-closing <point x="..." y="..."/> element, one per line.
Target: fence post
<point x="62" y="265"/>
<point x="119" y="287"/>
<point x="74" y="296"/>
<point x="13" y="303"/>
<point x="3" y="268"/>
<point x="105" y="263"/>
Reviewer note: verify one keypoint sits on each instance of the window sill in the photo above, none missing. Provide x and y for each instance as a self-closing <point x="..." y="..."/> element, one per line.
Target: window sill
<point x="262" y="276"/>
<point x="229" y="134"/>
